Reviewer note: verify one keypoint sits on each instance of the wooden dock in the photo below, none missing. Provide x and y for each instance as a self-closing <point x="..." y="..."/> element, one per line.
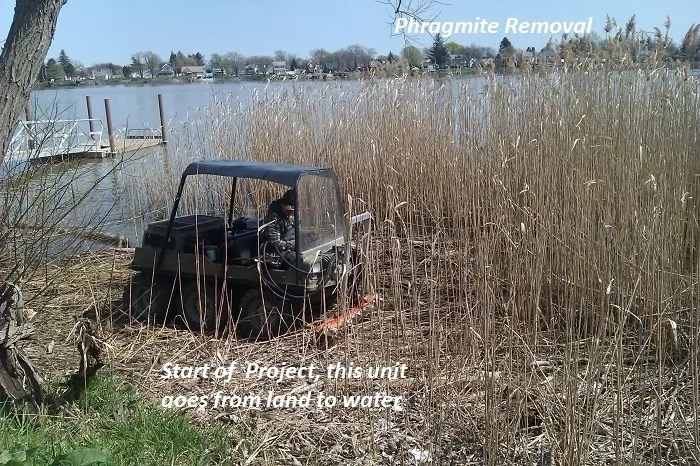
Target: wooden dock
<point x="84" y="150"/>
<point x="42" y="141"/>
<point x="133" y="144"/>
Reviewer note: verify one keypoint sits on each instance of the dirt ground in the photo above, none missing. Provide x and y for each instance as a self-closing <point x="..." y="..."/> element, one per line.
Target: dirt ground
<point x="92" y="287"/>
<point x="503" y="405"/>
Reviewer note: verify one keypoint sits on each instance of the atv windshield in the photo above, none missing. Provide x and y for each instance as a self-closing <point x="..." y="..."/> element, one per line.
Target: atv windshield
<point x="320" y="214"/>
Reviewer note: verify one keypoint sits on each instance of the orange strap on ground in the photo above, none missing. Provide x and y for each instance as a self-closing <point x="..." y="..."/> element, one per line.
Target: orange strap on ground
<point x="352" y="316"/>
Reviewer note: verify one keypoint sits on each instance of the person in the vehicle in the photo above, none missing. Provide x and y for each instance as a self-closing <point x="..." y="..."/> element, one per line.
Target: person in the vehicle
<point x="279" y="230"/>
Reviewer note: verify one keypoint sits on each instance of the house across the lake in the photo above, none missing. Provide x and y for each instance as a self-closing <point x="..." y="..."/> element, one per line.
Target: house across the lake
<point x="547" y="55"/>
<point x="166" y="71"/>
<point x="100" y="73"/>
<point x="457" y="60"/>
<point x="193" y="71"/>
<point x="279" y="67"/>
<point x="330" y="67"/>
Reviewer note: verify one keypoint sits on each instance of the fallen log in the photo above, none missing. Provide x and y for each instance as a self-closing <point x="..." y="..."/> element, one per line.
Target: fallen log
<point x="18" y="378"/>
<point x="82" y="233"/>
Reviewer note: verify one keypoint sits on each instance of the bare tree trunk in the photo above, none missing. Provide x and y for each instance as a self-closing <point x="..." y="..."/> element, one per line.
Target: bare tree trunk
<point x="28" y="42"/>
<point x="22" y="56"/>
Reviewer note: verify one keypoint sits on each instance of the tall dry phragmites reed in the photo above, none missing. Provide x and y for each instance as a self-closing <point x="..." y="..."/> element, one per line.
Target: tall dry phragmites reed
<point x="523" y="222"/>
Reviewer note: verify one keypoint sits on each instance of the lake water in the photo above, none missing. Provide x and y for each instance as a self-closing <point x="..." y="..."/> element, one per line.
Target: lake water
<point x="109" y="183"/>
<point x="120" y="210"/>
<point x="136" y="106"/>
<point x="112" y="202"/>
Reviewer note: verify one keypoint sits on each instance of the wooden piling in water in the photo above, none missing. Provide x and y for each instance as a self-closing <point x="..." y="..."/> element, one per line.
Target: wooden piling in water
<point x="110" y="129"/>
<point x="92" y="123"/>
<point x="162" y="119"/>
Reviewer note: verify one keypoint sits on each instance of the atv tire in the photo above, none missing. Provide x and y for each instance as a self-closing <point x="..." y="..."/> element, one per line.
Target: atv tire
<point x="146" y="298"/>
<point x="261" y="317"/>
<point x="203" y="308"/>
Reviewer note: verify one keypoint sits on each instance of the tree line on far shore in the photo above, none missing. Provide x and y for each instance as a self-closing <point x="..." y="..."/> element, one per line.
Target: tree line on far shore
<point x="618" y="42"/>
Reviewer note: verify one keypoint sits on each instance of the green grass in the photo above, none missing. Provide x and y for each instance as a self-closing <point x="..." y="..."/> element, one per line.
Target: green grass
<point x="112" y="418"/>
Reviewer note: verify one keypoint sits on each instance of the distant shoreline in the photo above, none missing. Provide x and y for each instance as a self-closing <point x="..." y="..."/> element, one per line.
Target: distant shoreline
<point x="463" y="73"/>
<point x="62" y="84"/>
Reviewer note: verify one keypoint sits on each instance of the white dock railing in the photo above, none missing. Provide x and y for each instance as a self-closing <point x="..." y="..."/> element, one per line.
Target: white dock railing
<point x="55" y="137"/>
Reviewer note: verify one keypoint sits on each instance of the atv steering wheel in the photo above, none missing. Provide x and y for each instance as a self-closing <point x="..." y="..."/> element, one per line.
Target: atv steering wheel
<point x="309" y="235"/>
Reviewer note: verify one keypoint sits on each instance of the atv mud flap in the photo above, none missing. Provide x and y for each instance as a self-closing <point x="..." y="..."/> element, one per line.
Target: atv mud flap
<point x="329" y="328"/>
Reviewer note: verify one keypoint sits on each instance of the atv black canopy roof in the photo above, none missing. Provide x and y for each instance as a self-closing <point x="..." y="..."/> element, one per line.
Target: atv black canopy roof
<point x="281" y="173"/>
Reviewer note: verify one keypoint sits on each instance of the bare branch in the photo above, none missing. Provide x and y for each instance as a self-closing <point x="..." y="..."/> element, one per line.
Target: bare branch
<point x="416" y="10"/>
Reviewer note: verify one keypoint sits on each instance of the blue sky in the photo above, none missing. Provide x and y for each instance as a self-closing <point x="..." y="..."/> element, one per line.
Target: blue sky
<point x="94" y="31"/>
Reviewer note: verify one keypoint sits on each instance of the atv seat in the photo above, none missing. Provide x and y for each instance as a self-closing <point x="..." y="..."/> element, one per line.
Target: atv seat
<point x="242" y="247"/>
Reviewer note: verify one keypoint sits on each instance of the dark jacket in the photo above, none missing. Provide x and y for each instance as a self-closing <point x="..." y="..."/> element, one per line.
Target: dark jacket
<point x="280" y="231"/>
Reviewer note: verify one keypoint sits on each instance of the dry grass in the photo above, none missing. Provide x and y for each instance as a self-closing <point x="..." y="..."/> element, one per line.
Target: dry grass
<point x="536" y="253"/>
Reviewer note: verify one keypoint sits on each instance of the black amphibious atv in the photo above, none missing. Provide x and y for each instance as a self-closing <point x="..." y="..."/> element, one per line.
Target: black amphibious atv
<point x="210" y="271"/>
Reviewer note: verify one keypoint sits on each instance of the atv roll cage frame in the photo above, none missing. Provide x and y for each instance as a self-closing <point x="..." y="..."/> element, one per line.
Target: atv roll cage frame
<point x="283" y="174"/>
<point x="324" y="262"/>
